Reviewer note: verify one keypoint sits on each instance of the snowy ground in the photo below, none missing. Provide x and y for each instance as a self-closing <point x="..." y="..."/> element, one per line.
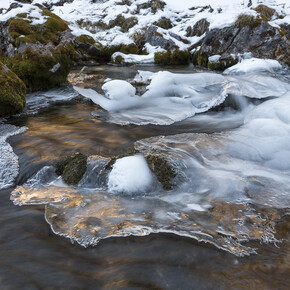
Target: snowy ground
<point x="182" y="13"/>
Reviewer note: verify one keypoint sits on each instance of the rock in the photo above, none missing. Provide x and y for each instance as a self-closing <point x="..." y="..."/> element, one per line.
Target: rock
<point x="156" y="39"/>
<point x="163" y="171"/>
<point x="72" y="168"/>
<point x="198" y="29"/>
<point x="41" y="55"/>
<point x="259" y="38"/>
<point x="12" y="93"/>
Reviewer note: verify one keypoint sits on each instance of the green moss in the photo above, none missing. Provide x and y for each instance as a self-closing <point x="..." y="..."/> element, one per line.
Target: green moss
<point x="72" y="168"/>
<point x="22" y="15"/>
<point x="119" y="59"/>
<point x="169" y="58"/>
<point x="21" y="29"/>
<point x="86" y="39"/>
<point x="126" y="49"/>
<point x="180" y="57"/>
<point x="244" y="20"/>
<point x="199" y="59"/>
<point x="36" y="70"/>
<point x="163" y="171"/>
<point x="265" y="11"/>
<point x="12" y="93"/>
<point x="162" y="58"/>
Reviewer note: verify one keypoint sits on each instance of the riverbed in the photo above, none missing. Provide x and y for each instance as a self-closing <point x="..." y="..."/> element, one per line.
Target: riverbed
<point x="233" y="236"/>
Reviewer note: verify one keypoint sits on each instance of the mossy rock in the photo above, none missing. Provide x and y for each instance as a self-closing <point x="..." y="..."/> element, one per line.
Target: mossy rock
<point x="118" y="59"/>
<point x="86" y="39"/>
<point x="124" y="48"/>
<point x="176" y="57"/>
<point x="124" y="23"/>
<point x="223" y="63"/>
<point x="41" y="72"/>
<point x="12" y="92"/>
<point x="72" y="168"/>
<point x="163" y="171"/>
<point x="21" y="28"/>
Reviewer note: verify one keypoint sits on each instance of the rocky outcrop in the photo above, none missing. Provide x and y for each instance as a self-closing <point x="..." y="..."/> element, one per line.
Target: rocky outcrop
<point x="257" y="37"/>
<point x="12" y="92"/>
<point x="198" y="29"/>
<point x="153" y="37"/>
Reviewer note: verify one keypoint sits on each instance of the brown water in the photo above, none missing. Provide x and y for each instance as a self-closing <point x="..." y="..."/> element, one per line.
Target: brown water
<point x="32" y="257"/>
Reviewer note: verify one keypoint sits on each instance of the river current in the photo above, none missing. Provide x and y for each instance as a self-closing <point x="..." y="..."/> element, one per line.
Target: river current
<point x="225" y="222"/>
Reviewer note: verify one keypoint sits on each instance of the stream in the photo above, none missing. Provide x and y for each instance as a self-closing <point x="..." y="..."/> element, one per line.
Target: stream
<point x="225" y="222"/>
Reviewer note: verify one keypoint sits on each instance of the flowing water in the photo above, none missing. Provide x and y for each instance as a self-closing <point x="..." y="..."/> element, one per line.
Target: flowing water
<point x="224" y="224"/>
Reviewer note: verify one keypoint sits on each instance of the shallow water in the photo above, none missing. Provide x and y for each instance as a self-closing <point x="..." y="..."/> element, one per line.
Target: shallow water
<point x="33" y="257"/>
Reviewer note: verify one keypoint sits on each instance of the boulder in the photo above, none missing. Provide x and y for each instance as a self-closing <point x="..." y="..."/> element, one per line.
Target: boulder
<point x="156" y="39"/>
<point x="41" y="55"/>
<point x="12" y="93"/>
<point x="198" y="29"/>
<point x="257" y="37"/>
<point x="72" y="168"/>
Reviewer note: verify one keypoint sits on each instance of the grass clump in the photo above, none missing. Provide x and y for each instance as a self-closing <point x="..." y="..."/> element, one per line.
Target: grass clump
<point x="244" y="20"/>
<point x="168" y="58"/>
<point x="265" y="11"/>
<point x="12" y="93"/>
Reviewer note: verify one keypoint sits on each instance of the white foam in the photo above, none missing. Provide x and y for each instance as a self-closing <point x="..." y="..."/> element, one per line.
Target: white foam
<point x="130" y="175"/>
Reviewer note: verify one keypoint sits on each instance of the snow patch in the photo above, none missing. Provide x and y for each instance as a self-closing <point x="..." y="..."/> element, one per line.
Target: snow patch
<point x="130" y="175"/>
<point x="253" y="65"/>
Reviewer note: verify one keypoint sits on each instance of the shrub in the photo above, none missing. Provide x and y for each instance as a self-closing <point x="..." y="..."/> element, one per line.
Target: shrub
<point x="175" y="57"/>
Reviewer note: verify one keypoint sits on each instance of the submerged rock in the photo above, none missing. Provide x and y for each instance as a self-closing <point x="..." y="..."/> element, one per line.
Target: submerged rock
<point x="72" y="168"/>
<point x="163" y="171"/>
<point x="12" y="93"/>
